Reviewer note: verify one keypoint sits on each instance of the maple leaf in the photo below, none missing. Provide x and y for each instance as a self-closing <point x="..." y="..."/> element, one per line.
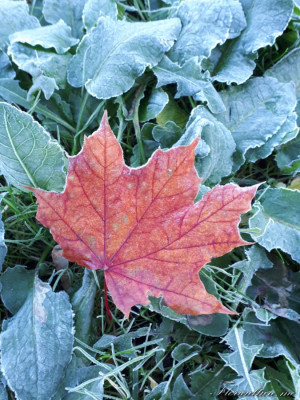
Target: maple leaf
<point x="141" y="226"/>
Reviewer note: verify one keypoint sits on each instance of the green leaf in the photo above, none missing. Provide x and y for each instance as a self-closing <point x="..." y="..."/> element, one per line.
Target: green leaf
<point x="295" y="374"/>
<point x="6" y="69"/>
<point x="184" y="350"/>
<point x="36" y="343"/>
<point x="57" y="36"/>
<point x="235" y="61"/>
<point x="3" y="248"/>
<point x="68" y="11"/>
<point x="241" y="360"/>
<point x="256" y="258"/>
<point x="206" y="384"/>
<point x="280" y="337"/>
<point x="288" y="155"/>
<point x="45" y="84"/>
<point x="160" y="392"/>
<point x="94" y="9"/>
<point x="152" y="104"/>
<point x="255" y="112"/>
<point x="16" y="283"/>
<point x="280" y="289"/>
<point x="39" y="61"/>
<point x="278" y="228"/>
<point x="28" y="154"/>
<point x="14" y="16"/>
<point x="204" y="25"/>
<point x="180" y="390"/>
<point x="83" y="305"/>
<point x="285" y="133"/>
<point x="288" y="69"/>
<point x="190" y="80"/>
<point x="172" y="112"/>
<point x="11" y="92"/>
<point x="218" y="162"/>
<point x="114" y="53"/>
<point x="167" y="135"/>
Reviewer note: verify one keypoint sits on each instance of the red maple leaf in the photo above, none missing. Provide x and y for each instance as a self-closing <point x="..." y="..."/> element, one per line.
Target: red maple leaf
<point x="141" y="226"/>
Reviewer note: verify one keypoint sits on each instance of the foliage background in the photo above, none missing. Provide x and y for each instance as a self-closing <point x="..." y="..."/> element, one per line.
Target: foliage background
<point x="167" y="72"/>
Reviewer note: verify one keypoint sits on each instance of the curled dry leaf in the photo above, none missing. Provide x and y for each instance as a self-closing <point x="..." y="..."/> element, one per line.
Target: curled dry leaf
<point x="141" y="226"/>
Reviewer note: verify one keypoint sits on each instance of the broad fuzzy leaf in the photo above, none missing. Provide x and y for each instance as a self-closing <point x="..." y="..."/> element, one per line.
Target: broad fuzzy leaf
<point x="114" y="53"/>
<point x="68" y="11"/>
<point x="278" y="228"/>
<point x="141" y="226"/>
<point x="205" y="24"/>
<point x="94" y="9"/>
<point x="37" y="342"/>
<point x="57" y="36"/>
<point x="266" y="20"/>
<point x="28" y="154"/>
<point x="257" y="114"/>
<point x="15" y="17"/>
<point x="190" y="80"/>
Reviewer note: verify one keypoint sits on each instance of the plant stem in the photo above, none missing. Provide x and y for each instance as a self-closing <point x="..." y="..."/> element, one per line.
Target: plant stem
<point x="79" y="123"/>
<point x="109" y="316"/>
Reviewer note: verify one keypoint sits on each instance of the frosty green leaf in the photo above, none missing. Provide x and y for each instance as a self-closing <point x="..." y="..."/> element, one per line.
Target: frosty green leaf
<point x="16" y="283"/>
<point x="36" y="343"/>
<point x="288" y="156"/>
<point x="94" y="9"/>
<point x="6" y="69"/>
<point x="57" y="36"/>
<point x="14" y="16"/>
<point x="68" y="11"/>
<point x="235" y="64"/>
<point x="190" y="80"/>
<point x="288" y="69"/>
<point x="152" y="104"/>
<point x="28" y="154"/>
<point x="255" y="112"/>
<point x="39" y="61"/>
<point x="218" y="162"/>
<point x="114" y="53"/>
<point x="205" y="24"/>
<point x="278" y="228"/>
<point x="83" y="305"/>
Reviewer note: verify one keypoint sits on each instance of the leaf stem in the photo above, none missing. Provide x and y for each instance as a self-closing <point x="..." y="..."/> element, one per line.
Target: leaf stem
<point x="79" y="123"/>
<point x="109" y="316"/>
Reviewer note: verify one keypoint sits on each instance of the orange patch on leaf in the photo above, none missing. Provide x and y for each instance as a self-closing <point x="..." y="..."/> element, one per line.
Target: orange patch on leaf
<point x="141" y="226"/>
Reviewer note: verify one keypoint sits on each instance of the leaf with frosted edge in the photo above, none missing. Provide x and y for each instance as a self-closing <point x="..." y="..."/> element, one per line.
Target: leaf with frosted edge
<point x="278" y="229"/>
<point x="190" y="80"/>
<point x="44" y="83"/>
<point x="16" y="283"/>
<point x="11" y="92"/>
<point x="288" y="155"/>
<point x="167" y="135"/>
<point x="14" y="16"/>
<point x="68" y="11"/>
<point x="29" y="156"/>
<point x="205" y="24"/>
<point x="285" y="133"/>
<point x="57" y="36"/>
<point x="37" y="342"/>
<point x="6" y="69"/>
<point x="236" y="62"/>
<point x="83" y="305"/>
<point x="255" y="112"/>
<point x="3" y="248"/>
<point x="37" y="60"/>
<point x="288" y="69"/>
<point x="114" y="53"/>
<point x="152" y="104"/>
<point x="94" y="9"/>
<point x="240" y="360"/>
<point x="280" y="335"/>
<point x="218" y="162"/>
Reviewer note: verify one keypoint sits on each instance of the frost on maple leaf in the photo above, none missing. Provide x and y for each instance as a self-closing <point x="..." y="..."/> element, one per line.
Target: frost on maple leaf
<point x="141" y="226"/>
